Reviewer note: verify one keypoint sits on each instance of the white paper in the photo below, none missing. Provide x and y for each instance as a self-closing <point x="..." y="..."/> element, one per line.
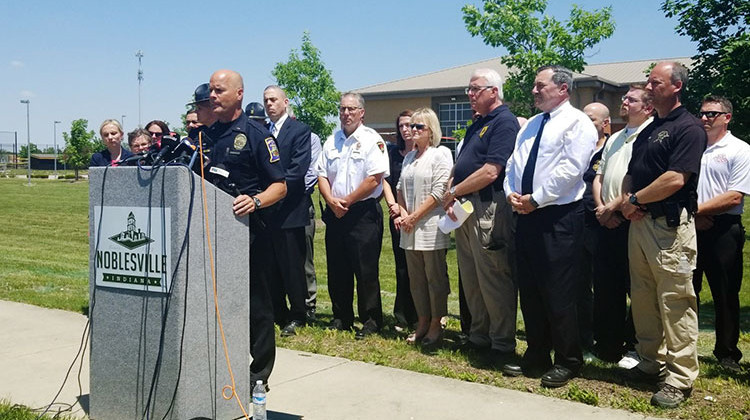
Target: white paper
<point x="462" y="211"/>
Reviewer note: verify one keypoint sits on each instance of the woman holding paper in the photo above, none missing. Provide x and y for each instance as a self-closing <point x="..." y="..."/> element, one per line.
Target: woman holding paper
<point x="423" y="178"/>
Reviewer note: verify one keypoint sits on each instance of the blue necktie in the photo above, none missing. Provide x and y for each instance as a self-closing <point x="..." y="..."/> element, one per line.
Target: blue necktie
<point x="527" y="180"/>
<point x="272" y="128"/>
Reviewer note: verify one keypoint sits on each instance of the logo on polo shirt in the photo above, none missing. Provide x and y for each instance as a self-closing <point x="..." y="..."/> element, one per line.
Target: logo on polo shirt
<point x="661" y="136"/>
<point x="484" y="130"/>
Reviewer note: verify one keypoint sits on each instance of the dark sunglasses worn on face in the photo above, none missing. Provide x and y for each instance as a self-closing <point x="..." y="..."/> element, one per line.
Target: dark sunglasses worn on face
<point x="153" y="134"/>
<point x="417" y="126"/>
<point x="712" y="114"/>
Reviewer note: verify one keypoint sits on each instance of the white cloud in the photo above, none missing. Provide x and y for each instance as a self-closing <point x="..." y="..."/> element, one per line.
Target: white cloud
<point x="27" y="94"/>
<point x="16" y="63"/>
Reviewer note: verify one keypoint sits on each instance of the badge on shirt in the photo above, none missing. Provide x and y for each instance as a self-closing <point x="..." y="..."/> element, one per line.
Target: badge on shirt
<point x="381" y="145"/>
<point x="596" y="165"/>
<point x="273" y="150"/>
<point x="661" y="136"/>
<point x="240" y="141"/>
<point x="484" y="130"/>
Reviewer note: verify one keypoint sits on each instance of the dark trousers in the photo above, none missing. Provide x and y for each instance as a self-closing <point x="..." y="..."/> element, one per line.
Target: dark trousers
<point x="285" y="271"/>
<point x="585" y="291"/>
<point x="548" y="244"/>
<point x="720" y="258"/>
<point x="613" y="325"/>
<point x="403" y="307"/>
<point x="262" y="334"/>
<point x="312" y="284"/>
<point x="353" y="249"/>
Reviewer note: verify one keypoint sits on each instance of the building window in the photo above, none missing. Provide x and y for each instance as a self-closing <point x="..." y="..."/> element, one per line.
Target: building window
<point x="453" y="115"/>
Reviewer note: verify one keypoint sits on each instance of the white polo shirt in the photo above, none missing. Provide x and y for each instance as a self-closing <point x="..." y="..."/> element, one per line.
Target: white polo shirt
<point x="725" y="166"/>
<point x="347" y="161"/>
<point x="615" y="159"/>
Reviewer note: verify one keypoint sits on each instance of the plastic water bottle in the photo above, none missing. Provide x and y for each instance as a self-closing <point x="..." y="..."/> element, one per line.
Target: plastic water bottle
<point x="259" y="401"/>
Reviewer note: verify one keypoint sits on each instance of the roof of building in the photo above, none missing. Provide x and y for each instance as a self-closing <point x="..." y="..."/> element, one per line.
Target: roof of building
<point x="618" y="74"/>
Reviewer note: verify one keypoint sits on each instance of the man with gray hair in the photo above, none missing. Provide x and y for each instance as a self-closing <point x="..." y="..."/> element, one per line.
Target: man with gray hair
<point x="484" y="242"/>
<point x="661" y="183"/>
<point x="544" y="184"/>
<point x="351" y="168"/>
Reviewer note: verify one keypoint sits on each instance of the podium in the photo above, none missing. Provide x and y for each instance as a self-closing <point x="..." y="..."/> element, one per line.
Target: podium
<point x="156" y="346"/>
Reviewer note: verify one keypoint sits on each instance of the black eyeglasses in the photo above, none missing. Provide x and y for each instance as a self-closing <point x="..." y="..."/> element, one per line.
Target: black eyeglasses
<point x="348" y="108"/>
<point x="712" y="114"/>
<point x="153" y="134"/>
<point x="418" y="126"/>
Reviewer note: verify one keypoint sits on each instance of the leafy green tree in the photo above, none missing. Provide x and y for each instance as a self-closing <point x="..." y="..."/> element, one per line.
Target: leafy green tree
<point x="23" y="151"/>
<point x="309" y="87"/>
<point x="534" y="39"/>
<point x="722" y="65"/>
<point x="79" y="145"/>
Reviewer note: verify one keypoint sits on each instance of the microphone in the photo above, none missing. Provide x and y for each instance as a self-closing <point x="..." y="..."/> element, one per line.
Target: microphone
<point x="168" y="144"/>
<point x="136" y="156"/>
<point x="221" y="180"/>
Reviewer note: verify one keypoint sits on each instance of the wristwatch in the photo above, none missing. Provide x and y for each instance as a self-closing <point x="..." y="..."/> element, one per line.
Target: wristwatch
<point x="634" y="200"/>
<point x="452" y="191"/>
<point x="256" y="200"/>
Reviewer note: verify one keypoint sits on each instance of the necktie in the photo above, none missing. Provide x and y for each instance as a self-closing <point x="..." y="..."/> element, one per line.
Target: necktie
<point x="273" y="129"/>
<point x="527" y="180"/>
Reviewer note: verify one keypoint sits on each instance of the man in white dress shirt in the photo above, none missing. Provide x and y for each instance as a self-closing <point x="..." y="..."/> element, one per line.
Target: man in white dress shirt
<point x="351" y="168"/>
<point x="544" y="185"/>
<point x="723" y="183"/>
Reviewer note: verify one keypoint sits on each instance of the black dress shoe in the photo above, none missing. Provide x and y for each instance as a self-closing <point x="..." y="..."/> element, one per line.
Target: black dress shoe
<point x="636" y="375"/>
<point x="339" y="325"/>
<point x="557" y="376"/>
<point x="310" y="314"/>
<point x="469" y="346"/>
<point x="506" y="362"/>
<point x="291" y="328"/>
<point x="369" y="328"/>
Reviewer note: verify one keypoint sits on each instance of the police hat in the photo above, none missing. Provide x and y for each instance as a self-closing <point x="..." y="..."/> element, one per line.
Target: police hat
<point x="202" y="92"/>
<point x="255" y="111"/>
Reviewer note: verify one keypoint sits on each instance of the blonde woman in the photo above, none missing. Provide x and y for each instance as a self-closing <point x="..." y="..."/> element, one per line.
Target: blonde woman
<point x="111" y="133"/>
<point x="423" y="179"/>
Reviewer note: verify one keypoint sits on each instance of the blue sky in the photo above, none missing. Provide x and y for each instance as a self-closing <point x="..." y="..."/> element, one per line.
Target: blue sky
<point x="76" y="59"/>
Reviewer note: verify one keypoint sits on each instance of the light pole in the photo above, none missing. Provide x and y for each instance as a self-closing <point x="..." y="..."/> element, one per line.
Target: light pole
<point x="55" y="140"/>
<point x="28" y="137"/>
<point x="122" y="121"/>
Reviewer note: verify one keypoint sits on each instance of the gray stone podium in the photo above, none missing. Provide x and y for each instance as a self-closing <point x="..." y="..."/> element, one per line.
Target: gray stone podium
<point x="155" y="339"/>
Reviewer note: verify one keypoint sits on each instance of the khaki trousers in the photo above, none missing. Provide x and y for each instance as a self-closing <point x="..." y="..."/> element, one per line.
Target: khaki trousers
<point x="428" y="282"/>
<point x="487" y="275"/>
<point x="665" y="314"/>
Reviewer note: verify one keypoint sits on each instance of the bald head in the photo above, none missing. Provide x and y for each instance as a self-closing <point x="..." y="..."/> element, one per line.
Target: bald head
<point x="599" y="114"/>
<point x="227" y="90"/>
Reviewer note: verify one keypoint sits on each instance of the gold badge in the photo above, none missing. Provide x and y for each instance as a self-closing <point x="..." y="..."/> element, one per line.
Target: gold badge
<point x="595" y="166"/>
<point x="484" y="130"/>
<point x="240" y="141"/>
<point x="273" y="150"/>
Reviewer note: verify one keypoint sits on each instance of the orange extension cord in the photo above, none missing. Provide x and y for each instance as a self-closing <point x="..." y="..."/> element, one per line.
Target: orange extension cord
<point x="232" y="388"/>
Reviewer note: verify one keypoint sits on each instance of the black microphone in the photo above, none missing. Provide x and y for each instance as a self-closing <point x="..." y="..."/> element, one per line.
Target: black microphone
<point x="221" y="178"/>
<point x="135" y="156"/>
<point x="168" y="144"/>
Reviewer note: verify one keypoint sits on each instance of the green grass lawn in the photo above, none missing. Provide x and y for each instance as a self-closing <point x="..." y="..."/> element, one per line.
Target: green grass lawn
<point x="44" y="261"/>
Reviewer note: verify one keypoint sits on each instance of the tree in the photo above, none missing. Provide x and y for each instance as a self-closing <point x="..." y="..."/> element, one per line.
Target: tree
<point x="534" y="39"/>
<point x="79" y="145"/>
<point x="722" y="65"/>
<point x="23" y="150"/>
<point x="309" y="87"/>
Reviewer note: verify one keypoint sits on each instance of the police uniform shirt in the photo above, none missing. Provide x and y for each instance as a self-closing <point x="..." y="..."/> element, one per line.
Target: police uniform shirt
<point x="490" y="139"/>
<point x="565" y="150"/>
<point x="248" y="152"/>
<point x="725" y="166"/>
<point x="588" y="178"/>
<point x="347" y="161"/>
<point x="673" y="143"/>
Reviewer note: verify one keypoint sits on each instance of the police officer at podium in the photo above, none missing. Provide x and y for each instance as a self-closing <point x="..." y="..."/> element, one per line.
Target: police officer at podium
<point x="250" y="155"/>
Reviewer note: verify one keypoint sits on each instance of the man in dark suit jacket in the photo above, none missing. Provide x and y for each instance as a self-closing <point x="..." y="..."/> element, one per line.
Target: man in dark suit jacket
<point x="286" y="274"/>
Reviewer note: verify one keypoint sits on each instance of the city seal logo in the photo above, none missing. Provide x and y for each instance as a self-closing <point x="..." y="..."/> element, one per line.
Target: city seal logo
<point x="273" y="150"/>
<point x="484" y="130"/>
<point x="240" y="141"/>
<point x="131" y="238"/>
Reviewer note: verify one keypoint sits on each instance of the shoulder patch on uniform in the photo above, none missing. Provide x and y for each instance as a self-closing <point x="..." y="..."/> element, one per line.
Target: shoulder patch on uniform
<point x="381" y="145"/>
<point x="240" y="140"/>
<point x="273" y="150"/>
<point x="596" y="165"/>
<point x="484" y="130"/>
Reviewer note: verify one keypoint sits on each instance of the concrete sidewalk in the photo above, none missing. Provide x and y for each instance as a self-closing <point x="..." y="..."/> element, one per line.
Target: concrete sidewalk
<point x="38" y="346"/>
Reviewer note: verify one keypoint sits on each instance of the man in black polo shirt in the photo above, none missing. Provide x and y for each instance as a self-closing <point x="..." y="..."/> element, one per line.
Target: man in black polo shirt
<point x="484" y="243"/>
<point x="660" y="201"/>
